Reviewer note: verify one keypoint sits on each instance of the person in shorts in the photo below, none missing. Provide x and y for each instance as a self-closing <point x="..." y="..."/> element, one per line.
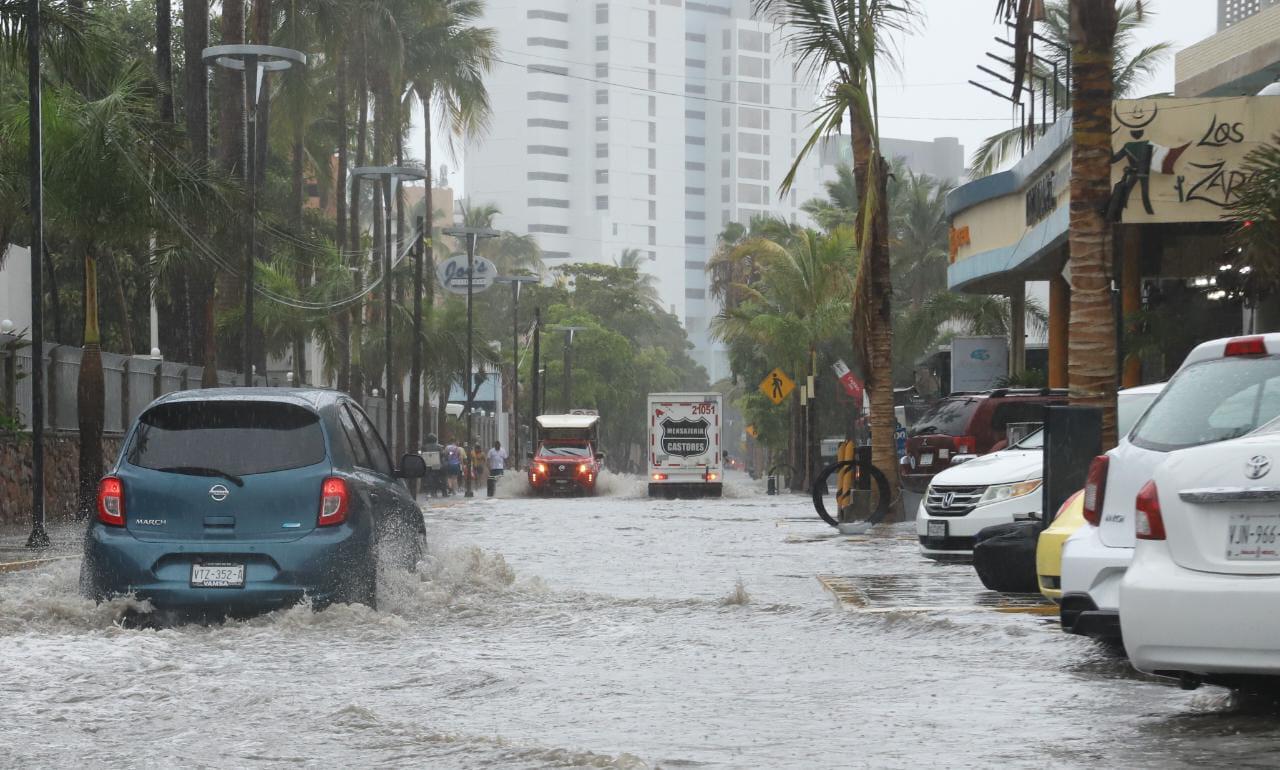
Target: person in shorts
<point x="497" y="459"/>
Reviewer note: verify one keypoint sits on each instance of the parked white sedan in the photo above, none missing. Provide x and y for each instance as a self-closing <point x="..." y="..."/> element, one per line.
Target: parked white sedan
<point x="1198" y="602"/>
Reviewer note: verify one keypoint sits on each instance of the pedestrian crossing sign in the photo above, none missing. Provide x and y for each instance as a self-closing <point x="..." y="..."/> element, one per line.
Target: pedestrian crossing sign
<point x="777" y="386"/>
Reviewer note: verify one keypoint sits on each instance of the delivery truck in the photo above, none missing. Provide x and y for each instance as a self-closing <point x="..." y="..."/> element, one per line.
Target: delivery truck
<point x="686" y="457"/>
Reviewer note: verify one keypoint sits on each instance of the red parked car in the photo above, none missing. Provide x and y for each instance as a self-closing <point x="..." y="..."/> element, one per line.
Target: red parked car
<point x="568" y="460"/>
<point x="968" y="423"/>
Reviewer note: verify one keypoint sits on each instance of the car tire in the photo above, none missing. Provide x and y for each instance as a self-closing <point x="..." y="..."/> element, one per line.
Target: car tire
<point x="1004" y="557"/>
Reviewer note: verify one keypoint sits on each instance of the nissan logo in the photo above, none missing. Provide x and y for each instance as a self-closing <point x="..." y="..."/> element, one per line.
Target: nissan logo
<point x="1257" y="466"/>
<point x="218" y="493"/>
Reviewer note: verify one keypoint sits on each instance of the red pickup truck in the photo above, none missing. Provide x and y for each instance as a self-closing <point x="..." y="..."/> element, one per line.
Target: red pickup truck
<point x="567" y="460"/>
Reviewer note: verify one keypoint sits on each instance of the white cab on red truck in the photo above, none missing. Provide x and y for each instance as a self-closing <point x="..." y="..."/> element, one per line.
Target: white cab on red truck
<point x="685" y="445"/>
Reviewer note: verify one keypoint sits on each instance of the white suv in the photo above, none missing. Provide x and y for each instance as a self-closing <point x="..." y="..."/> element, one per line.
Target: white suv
<point x="1223" y="390"/>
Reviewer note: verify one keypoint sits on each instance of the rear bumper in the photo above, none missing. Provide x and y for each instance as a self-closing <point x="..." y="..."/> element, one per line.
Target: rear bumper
<point x="677" y="488"/>
<point x="1081" y="616"/>
<point x="1179" y="620"/>
<point x="317" y="565"/>
<point x="1092" y="569"/>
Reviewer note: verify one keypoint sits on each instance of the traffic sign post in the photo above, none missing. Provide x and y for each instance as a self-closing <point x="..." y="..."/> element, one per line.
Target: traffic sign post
<point x="776" y="386"/>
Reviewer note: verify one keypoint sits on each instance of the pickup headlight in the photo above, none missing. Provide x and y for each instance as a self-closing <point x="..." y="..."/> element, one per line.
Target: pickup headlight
<point x="1001" y="492"/>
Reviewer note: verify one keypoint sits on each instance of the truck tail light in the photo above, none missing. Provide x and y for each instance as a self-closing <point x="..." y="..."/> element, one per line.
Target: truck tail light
<point x="711" y="476"/>
<point x="1095" y="489"/>
<point x="659" y="477"/>
<point x="111" y="501"/>
<point x="1148" y="523"/>
<point x="1246" y="346"/>
<point x="334" y="502"/>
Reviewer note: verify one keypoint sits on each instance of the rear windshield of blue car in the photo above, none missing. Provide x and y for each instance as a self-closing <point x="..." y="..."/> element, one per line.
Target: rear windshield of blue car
<point x="232" y="437"/>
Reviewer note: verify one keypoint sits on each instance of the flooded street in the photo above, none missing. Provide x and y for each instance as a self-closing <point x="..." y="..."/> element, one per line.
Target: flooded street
<point x="608" y="632"/>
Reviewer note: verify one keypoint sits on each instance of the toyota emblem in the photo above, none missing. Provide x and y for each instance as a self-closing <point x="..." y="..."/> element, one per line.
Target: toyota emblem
<point x="218" y="493"/>
<point x="1257" y="466"/>
<point x="948" y="499"/>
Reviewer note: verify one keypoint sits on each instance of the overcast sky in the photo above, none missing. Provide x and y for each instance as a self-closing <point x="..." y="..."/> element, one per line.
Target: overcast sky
<point x="930" y="96"/>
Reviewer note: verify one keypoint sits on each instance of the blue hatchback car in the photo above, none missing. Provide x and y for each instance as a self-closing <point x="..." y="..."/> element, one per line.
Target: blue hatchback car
<point x="239" y="500"/>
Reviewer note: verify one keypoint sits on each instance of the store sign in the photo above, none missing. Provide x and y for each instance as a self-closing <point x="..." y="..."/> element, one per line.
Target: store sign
<point x="456" y="278"/>
<point x="1182" y="160"/>
<point x="1042" y="198"/>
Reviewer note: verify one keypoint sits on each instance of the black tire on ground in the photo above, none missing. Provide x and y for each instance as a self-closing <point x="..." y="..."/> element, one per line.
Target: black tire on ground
<point x="1005" y="557"/>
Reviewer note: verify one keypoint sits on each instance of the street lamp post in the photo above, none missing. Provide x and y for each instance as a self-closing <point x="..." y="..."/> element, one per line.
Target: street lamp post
<point x="258" y="60"/>
<point x="35" y="151"/>
<point x="471" y="234"/>
<point x="515" y="281"/>
<point x="390" y="175"/>
<point x="535" y="374"/>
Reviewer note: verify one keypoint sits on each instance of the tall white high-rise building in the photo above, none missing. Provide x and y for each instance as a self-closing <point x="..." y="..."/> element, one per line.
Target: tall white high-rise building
<point x="645" y="125"/>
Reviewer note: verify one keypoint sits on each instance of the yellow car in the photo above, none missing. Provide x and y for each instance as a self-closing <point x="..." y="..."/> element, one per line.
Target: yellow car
<point x="1070" y="517"/>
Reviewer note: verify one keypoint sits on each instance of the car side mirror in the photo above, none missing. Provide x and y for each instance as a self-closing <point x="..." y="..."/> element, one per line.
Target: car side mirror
<point x="412" y="466"/>
<point x="599" y="457"/>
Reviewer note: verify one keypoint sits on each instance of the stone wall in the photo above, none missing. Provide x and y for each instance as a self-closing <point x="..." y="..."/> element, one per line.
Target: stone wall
<point x="62" y="457"/>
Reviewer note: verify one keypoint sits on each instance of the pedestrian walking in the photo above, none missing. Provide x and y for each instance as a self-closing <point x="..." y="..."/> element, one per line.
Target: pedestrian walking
<point x="453" y="465"/>
<point x="477" y="462"/>
<point x="497" y="459"/>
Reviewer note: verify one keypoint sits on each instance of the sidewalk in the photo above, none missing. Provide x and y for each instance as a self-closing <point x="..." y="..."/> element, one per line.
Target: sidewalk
<point x="14" y="554"/>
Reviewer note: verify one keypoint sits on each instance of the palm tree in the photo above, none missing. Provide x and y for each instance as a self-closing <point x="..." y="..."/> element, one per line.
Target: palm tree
<point x="1091" y="348"/>
<point x="646" y="283"/>
<point x="448" y="58"/>
<point x="845" y="40"/>
<point x="1129" y="70"/>
<point x="799" y="301"/>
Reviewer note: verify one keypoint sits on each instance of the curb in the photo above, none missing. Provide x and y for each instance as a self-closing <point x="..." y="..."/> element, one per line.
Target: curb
<point x="18" y="566"/>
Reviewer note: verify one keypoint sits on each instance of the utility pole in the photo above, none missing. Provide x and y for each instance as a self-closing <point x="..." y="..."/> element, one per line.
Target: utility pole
<point x="35" y="151"/>
<point x="567" y="385"/>
<point x="515" y="281"/>
<point x="535" y="373"/>
<point x="415" y="359"/>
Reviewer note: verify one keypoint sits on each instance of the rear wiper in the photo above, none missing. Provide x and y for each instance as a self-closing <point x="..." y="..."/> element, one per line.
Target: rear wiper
<point x="195" y="470"/>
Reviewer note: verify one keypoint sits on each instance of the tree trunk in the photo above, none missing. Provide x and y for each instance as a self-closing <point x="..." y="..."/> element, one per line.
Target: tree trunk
<point x="90" y="398"/>
<point x="262" y="26"/>
<point x="229" y="86"/>
<point x="357" y="310"/>
<point x="195" y="37"/>
<point x="873" y="308"/>
<point x="164" y="59"/>
<point x="343" y="343"/>
<point x="1091" y="343"/>
<point x="421" y="259"/>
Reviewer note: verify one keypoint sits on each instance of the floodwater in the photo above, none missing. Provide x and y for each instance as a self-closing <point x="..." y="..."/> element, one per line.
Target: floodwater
<point x="608" y="632"/>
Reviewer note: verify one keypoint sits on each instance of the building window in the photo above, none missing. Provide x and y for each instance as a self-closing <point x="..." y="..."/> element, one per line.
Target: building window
<point x="546" y="176"/>
<point x="726" y="116"/>
<point x="653" y="80"/>
<point x="602" y="97"/>
<point x="693" y="88"/>
<point x="602" y="176"/>
<point x="548" y="203"/>
<point x="602" y="69"/>
<point x="753" y="117"/>
<point x="602" y="203"/>
<point x="653" y="132"/>
<point x="548" y="15"/>
<point x="692" y="165"/>
<point x="698" y="64"/>
<point x="757" y="93"/>
<point x="602" y="123"/>
<point x="753" y="193"/>
<point x="753" y="144"/>
<point x="547" y="149"/>
<point x="753" y="67"/>
<point x="694" y="37"/>
<point x="696" y="141"/>
<point x="724" y="142"/>
<point x="695" y="191"/>
<point x="653" y="210"/>
<point x="653" y="106"/>
<point x="695" y="240"/>
<point x="653" y="24"/>
<point x="549" y="229"/>
<point x="602" y="150"/>
<point x="750" y="40"/>
<point x="546" y="123"/>
<point x="653" y="235"/>
<point x="653" y="158"/>
<point x="602" y="42"/>
<point x="602" y="13"/>
<point x="547" y="96"/>
<point x="696" y="216"/>
<point x="750" y="168"/>
<point x="724" y="193"/>
<point x="695" y="115"/>
<point x="547" y="69"/>
<point x="653" y="53"/>
<point x="695" y="265"/>
<point x="726" y="66"/>
<point x="653" y="185"/>
<point x="726" y="92"/>
<point x="695" y="293"/>
<point x="555" y="255"/>
<point x="547" y="42"/>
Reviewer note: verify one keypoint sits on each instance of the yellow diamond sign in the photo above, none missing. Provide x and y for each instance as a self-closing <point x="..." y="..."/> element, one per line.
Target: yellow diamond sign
<point x="777" y="386"/>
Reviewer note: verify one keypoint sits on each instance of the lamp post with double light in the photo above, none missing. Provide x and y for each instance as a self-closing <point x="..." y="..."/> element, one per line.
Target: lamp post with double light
<point x="255" y="61"/>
